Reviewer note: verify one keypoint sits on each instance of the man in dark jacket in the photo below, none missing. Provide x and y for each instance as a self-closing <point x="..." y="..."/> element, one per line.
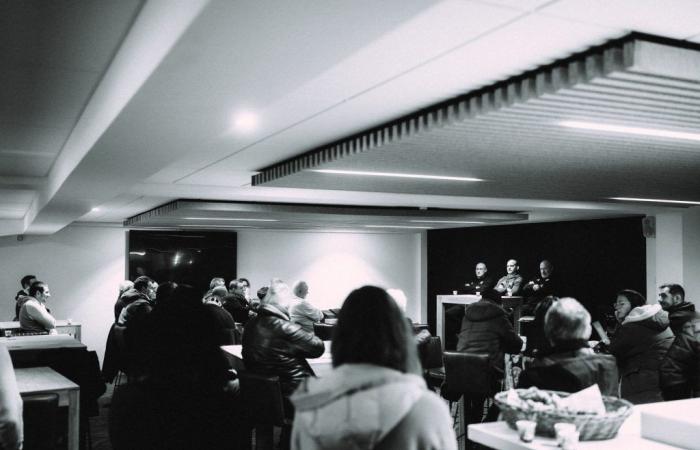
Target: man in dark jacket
<point x="672" y="300"/>
<point x="273" y="345"/>
<point x="482" y="282"/>
<point x="540" y="287"/>
<point x="236" y="302"/>
<point x="144" y="289"/>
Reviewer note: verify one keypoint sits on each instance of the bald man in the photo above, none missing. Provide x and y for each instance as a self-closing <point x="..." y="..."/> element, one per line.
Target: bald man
<point x="482" y="282"/>
<point x="540" y="287"/>
<point x="511" y="282"/>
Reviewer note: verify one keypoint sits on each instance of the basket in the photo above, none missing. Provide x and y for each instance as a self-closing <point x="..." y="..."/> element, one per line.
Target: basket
<point x="591" y="427"/>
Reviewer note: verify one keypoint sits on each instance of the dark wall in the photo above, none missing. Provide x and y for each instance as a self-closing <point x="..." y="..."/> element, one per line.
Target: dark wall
<point x="593" y="259"/>
<point x="192" y="258"/>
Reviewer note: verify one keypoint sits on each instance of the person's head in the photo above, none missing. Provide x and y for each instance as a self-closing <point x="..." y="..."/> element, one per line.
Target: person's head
<point x="236" y="287"/>
<point x="301" y="289"/>
<point x="480" y="270"/>
<point x="492" y="294"/>
<point x="542" y="308"/>
<point x="245" y="282"/>
<point x="670" y="295"/>
<point x="40" y="291"/>
<point x="27" y="281"/>
<point x="125" y="286"/>
<point x="371" y="329"/>
<point x="278" y="294"/>
<point x="546" y="269"/>
<point x="216" y="295"/>
<point x="216" y="281"/>
<point x="511" y="266"/>
<point x="627" y="299"/>
<point x="164" y="292"/>
<point x="146" y="285"/>
<point x="262" y="292"/>
<point x="567" y="320"/>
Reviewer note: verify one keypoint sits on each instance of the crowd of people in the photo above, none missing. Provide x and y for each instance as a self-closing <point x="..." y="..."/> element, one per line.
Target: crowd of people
<point x="182" y="392"/>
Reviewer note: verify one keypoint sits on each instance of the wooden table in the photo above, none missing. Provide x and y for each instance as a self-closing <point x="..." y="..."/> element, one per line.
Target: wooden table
<point x="321" y="366"/>
<point x="499" y="435"/>
<point x="62" y="327"/>
<point x="42" y="380"/>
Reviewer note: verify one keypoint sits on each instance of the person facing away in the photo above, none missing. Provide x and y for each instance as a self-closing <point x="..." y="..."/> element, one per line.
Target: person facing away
<point x="571" y="365"/>
<point x="274" y="345"/>
<point x="511" y="282"/>
<point x="26" y="282"/>
<point x="302" y="311"/>
<point x="639" y="344"/>
<point x="33" y="314"/>
<point x="144" y="288"/>
<point x="375" y="397"/>
<point x="540" y="287"/>
<point x="482" y="282"/>
<point x="11" y="425"/>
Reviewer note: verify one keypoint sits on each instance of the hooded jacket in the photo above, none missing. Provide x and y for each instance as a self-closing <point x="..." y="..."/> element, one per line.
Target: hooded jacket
<point x="486" y="329"/>
<point x="680" y="369"/>
<point x="679" y="314"/>
<point x="639" y="346"/>
<point x="363" y="406"/>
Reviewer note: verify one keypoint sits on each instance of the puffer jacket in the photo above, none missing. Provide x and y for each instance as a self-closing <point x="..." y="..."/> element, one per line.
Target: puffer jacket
<point x="639" y="345"/>
<point x="363" y="406"/>
<point x="486" y="329"/>
<point x="272" y="345"/>
<point x="679" y="314"/>
<point x="126" y="299"/>
<point x="680" y="369"/>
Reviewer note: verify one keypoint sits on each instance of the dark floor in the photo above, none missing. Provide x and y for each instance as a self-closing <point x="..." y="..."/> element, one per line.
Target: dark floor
<point x="98" y="425"/>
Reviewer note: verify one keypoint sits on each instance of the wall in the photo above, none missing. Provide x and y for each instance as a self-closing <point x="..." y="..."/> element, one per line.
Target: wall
<point x="333" y="264"/>
<point x="691" y="254"/>
<point x="83" y="266"/>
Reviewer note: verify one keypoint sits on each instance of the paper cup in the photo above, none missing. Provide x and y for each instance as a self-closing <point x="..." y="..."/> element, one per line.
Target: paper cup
<point x="526" y="430"/>
<point x="567" y="436"/>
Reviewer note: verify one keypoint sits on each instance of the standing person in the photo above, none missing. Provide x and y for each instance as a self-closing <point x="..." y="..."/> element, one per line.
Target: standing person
<point x="375" y="397"/>
<point x="639" y="344"/>
<point x="26" y="282"/>
<point x="11" y="426"/>
<point x="672" y="300"/>
<point x="540" y="287"/>
<point x="33" y="314"/>
<point x="302" y="311"/>
<point x="481" y="283"/>
<point x="511" y="282"/>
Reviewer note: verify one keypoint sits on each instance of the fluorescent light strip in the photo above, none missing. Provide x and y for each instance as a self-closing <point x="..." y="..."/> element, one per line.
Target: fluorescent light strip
<point x="394" y="175"/>
<point x="396" y="226"/>
<point x="217" y="226"/>
<point x="228" y="218"/>
<point x="655" y="200"/>
<point x="443" y="221"/>
<point x="654" y="132"/>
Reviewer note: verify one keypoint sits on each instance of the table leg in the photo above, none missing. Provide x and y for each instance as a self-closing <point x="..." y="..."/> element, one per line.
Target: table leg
<point x="73" y="419"/>
<point x="440" y="322"/>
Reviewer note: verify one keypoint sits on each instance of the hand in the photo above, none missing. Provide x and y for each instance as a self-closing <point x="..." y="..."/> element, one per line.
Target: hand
<point x="535" y="287"/>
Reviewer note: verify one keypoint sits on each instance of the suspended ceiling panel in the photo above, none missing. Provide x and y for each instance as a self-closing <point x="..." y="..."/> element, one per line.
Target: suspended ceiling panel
<point x="517" y="137"/>
<point x="189" y="214"/>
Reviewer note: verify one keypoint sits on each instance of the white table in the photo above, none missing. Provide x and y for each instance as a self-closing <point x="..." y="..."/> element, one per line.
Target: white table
<point x="62" y="327"/>
<point x="41" y="342"/>
<point x="43" y="380"/>
<point x="500" y="436"/>
<point x="321" y="366"/>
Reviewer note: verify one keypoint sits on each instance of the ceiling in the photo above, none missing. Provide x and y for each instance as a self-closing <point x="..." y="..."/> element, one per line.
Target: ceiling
<point x="110" y="109"/>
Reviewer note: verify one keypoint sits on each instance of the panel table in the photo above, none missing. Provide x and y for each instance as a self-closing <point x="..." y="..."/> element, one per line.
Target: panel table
<point x="62" y="326"/>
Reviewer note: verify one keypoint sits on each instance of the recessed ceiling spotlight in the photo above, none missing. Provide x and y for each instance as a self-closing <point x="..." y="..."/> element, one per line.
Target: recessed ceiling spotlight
<point x="445" y="221"/>
<point x="394" y="175"/>
<point x="245" y="121"/>
<point x="653" y="132"/>
<point x="231" y="219"/>
<point x="655" y="200"/>
<point x="396" y="226"/>
<point x="95" y="209"/>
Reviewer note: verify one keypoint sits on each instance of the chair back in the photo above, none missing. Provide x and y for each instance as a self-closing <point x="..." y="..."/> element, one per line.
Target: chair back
<point x="469" y="374"/>
<point x="40" y="416"/>
<point x="430" y="353"/>
<point x="261" y="399"/>
<point x="324" y="331"/>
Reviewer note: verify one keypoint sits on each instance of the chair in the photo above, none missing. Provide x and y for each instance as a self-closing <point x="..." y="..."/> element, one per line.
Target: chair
<point x="263" y="405"/>
<point x="324" y="331"/>
<point x="40" y="416"/>
<point x="430" y="355"/>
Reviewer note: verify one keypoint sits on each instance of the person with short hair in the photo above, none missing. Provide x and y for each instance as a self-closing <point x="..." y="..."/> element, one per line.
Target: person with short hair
<point x="672" y="300"/>
<point x="26" y="281"/>
<point x="571" y="365"/>
<point x="236" y="302"/>
<point x="216" y="281"/>
<point x="375" y="397"/>
<point x="302" y="311"/>
<point x="33" y="314"/>
<point x="481" y="282"/>
<point x="540" y="287"/>
<point x="144" y="288"/>
<point x="639" y="344"/>
<point x="511" y="282"/>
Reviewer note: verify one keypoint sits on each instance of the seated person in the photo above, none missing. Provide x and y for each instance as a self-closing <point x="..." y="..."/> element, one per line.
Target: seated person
<point x="539" y="288"/>
<point x="274" y="345"/>
<point x="221" y="320"/>
<point x="302" y="311"/>
<point x="375" y="397"/>
<point x="144" y="288"/>
<point x="33" y="314"/>
<point x="640" y="344"/>
<point x="482" y="282"/>
<point x="11" y="426"/>
<point x="510" y="283"/>
<point x="236" y="302"/>
<point x="26" y="282"/>
<point x="537" y="343"/>
<point x="487" y="330"/>
<point x="571" y="365"/>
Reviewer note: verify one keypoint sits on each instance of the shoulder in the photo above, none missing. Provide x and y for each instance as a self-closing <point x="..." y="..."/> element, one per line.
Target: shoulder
<point x="428" y="425"/>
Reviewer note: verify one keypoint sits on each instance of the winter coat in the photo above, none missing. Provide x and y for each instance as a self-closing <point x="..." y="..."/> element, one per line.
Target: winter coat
<point x="639" y="345"/>
<point x="679" y="314"/>
<point x="486" y="329"/>
<point x="273" y="345"/>
<point x="680" y="369"/>
<point x="479" y="285"/>
<point x="127" y="298"/>
<point x="363" y="406"/>
<point x="237" y="305"/>
<point x="572" y="370"/>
